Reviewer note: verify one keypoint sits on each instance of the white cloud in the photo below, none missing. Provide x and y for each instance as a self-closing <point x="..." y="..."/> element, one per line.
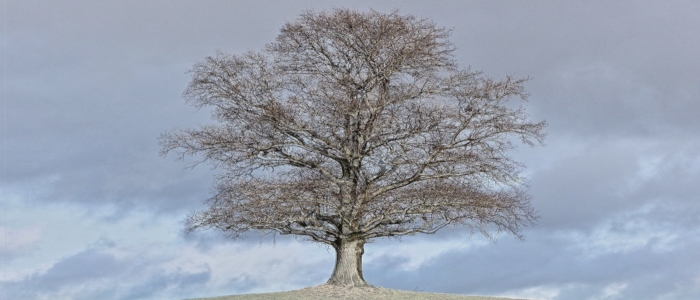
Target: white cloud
<point x="418" y="252"/>
<point x="284" y="266"/>
<point x="18" y="240"/>
<point x="612" y="291"/>
<point x="625" y="233"/>
<point x="545" y="292"/>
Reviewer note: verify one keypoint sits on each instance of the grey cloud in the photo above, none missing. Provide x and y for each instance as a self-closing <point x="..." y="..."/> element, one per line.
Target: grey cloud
<point x="606" y="68"/>
<point x="543" y="261"/>
<point x="593" y="99"/>
<point x="95" y="273"/>
<point x="74" y="270"/>
<point x="583" y="188"/>
<point x="605" y="176"/>
<point x="87" y="265"/>
<point x="100" y="146"/>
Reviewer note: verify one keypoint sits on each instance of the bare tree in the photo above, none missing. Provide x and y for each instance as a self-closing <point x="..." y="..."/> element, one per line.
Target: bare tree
<point x="353" y="126"/>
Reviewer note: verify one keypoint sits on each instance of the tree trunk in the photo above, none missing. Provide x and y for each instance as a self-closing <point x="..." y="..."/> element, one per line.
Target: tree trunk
<point x="348" y="264"/>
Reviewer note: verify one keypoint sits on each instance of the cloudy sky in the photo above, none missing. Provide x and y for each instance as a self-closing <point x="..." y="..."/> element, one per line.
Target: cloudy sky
<point x="88" y="210"/>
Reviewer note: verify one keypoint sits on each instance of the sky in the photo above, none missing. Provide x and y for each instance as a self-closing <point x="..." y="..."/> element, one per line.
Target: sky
<point x="89" y="210"/>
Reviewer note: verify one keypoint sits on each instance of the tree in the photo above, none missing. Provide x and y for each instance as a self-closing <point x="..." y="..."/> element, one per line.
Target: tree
<point x="353" y="126"/>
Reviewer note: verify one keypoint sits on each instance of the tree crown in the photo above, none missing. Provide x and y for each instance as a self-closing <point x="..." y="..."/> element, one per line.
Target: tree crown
<point x="356" y="125"/>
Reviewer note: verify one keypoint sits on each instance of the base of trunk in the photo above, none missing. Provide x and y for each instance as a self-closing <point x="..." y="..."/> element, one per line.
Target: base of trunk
<point x="348" y="264"/>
